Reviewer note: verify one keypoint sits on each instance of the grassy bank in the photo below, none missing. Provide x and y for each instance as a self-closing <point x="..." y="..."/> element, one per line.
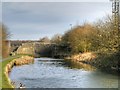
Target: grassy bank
<point x="5" y="83"/>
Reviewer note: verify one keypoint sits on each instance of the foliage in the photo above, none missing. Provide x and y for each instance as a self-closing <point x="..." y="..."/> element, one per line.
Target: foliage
<point x="80" y="38"/>
<point x="4" y="83"/>
<point x="45" y="40"/>
<point x="56" y="39"/>
<point x="98" y="37"/>
<point x="101" y="37"/>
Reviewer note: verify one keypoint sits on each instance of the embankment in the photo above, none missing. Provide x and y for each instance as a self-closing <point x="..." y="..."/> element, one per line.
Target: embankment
<point x="107" y="63"/>
<point x="18" y="61"/>
<point x="87" y="56"/>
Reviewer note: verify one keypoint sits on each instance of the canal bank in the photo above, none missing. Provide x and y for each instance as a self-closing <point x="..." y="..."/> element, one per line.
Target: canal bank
<point x="8" y="64"/>
<point x="106" y="63"/>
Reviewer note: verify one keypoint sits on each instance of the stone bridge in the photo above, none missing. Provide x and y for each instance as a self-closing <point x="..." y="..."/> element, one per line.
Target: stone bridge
<point x="39" y="49"/>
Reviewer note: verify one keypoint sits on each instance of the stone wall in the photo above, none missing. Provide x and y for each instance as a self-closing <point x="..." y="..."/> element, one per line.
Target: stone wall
<point x="26" y="48"/>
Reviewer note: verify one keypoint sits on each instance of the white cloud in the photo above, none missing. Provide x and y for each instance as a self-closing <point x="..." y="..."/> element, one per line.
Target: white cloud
<point x="45" y="19"/>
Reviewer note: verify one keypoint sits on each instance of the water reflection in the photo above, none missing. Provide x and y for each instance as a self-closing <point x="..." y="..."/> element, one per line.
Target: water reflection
<point x="70" y="64"/>
<point x="58" y="73"/>
<point x="78" y="65"/>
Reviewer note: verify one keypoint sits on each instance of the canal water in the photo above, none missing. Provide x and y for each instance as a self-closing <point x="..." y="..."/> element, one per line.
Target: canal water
<point x="58" y="73"/>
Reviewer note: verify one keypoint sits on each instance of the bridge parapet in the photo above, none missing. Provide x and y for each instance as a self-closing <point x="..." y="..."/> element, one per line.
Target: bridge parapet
<point x="40" y="49"/>
<point x="26" y="48"/>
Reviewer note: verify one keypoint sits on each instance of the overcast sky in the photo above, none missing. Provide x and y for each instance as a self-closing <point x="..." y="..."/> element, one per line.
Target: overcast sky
<point x="33" y="20"/>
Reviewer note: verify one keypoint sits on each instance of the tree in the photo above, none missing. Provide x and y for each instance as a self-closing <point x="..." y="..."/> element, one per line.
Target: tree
<point x="108" y="36"/>
<point x="45" y="40"/>
<point x="80" y="38"/>
<point x="56" y="38"/>
<point x="3" y="40"/>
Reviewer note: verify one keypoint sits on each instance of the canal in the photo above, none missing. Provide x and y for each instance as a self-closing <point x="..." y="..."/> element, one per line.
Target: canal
<point x="59" y="73"/>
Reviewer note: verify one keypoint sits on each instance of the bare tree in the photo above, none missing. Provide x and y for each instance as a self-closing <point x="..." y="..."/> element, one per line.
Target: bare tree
<point x="3" y="41"/>
<point x="56" y="38"/>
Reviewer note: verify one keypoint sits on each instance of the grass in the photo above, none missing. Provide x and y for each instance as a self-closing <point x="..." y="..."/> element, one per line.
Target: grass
<point x="4" y="81"/>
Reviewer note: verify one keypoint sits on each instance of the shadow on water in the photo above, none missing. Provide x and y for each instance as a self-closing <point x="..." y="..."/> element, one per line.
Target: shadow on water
<point x="78" y="65"/>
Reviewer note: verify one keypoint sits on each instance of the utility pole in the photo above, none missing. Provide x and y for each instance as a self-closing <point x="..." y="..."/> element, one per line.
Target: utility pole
<point x="116" y="19"/>
<point x="116" y="13"/>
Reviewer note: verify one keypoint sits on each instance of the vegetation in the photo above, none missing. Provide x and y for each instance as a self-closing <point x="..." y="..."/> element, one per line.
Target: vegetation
<point x="56" y="39"/>
<point x="45" y="40"/>
<point x="4" y="83"/>
<point x="80" y="38"/>
<point x="100" y="37"/>
<point x="3" y="49"/>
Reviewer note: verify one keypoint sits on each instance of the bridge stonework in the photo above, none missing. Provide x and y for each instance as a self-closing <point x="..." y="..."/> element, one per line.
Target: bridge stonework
<point x="38" y="49"/>
<point x="26" y="48"/>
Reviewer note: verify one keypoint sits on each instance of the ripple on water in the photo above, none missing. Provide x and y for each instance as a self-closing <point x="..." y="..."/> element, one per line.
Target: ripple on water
<point x="53" y="73"/>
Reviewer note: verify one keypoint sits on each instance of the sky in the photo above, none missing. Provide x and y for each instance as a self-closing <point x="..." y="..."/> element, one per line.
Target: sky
<point x="34" y="20"/>
<point x="56" y="0"/>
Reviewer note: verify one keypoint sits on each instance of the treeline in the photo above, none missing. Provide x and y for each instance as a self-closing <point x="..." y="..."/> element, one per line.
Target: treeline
<point x="101" y="38"/>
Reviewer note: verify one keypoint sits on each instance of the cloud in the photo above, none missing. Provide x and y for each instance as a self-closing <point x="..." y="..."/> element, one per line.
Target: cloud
<point x="49" y="12"/>
<point x="0" y="12"/>
<point x="46" y="18"/>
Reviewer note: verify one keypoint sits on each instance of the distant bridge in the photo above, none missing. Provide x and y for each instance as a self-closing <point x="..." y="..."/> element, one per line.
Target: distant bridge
<point x="39" y="49"/>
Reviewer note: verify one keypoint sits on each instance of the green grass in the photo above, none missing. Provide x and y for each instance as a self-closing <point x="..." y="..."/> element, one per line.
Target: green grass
<point x="4" y="82"/>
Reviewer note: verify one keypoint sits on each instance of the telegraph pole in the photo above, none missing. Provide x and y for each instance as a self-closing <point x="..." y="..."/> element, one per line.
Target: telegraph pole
<point x="116" y="19"/>
<point x="116" y="13"/>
